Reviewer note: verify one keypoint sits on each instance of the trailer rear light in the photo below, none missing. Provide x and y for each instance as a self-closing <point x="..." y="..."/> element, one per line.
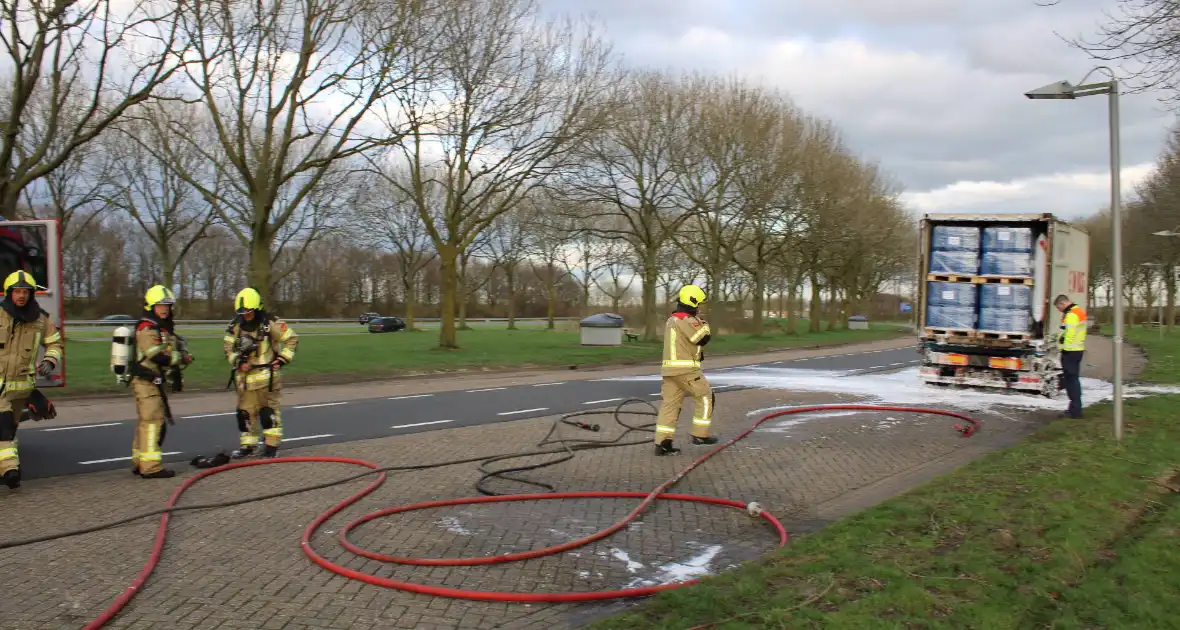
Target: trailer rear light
<point x="955" y="359"/>
<point x="1004" y="364"/>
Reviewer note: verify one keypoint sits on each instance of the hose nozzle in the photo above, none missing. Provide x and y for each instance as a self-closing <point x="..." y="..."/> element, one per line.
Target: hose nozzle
<point x="754" y="509"/>
<point x="589" y="427"/>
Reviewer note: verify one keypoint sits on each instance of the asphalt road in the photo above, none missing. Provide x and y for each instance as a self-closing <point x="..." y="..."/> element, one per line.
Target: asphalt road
<point x="48" y="451"/>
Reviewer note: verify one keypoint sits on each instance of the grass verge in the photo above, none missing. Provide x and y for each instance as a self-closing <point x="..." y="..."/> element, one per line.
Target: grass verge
<point x="1066" y="530"/>
<point x="337" y="358"/>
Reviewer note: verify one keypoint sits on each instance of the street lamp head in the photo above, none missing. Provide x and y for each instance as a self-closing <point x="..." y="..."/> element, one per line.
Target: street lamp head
<point x="1057" y="90"/>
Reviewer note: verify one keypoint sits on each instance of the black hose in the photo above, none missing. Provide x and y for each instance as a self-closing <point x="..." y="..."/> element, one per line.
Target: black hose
<point x="568" y="448"/>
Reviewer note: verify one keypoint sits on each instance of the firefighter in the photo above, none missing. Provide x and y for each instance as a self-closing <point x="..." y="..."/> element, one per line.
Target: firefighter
<point x="25" y="326"/>
<point x="1072" y="344"/>
<point x="250" y="346"/>
<point x="159" y="352"/>
<point x="685" y="335"/>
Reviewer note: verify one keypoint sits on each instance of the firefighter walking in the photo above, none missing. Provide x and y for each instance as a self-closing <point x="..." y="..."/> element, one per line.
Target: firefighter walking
<point x="685" y="335"/>
<point x="159" y="352"/>
<point x="1072" y="344"/>
<point x="24" y="329"/>
<point x="250" y="344"/>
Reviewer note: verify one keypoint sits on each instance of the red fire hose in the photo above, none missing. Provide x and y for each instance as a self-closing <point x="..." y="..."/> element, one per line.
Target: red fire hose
<point x="966" y="430"/>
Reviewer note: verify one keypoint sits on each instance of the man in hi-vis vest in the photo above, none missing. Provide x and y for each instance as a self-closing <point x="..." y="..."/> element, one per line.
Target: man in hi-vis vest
<point x="685" y="334"/>
<point x="1072" y="344"/>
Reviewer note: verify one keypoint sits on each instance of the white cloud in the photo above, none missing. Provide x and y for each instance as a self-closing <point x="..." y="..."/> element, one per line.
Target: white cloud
<point x="1066" y="195"/>
<point x="932" y="89"/>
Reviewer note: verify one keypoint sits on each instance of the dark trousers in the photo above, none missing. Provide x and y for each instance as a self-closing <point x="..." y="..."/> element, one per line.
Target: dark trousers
<point x="1071" y="364"/>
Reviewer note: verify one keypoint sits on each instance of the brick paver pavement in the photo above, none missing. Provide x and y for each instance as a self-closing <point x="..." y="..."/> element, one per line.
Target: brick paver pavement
<point x="242" y="567"/>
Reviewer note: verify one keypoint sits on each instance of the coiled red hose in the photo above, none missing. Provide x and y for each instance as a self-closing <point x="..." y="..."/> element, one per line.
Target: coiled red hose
<point x="966" y="430"/>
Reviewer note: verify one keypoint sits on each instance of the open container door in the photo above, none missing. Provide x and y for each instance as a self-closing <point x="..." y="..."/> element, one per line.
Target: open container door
<point x="35" y="247"/>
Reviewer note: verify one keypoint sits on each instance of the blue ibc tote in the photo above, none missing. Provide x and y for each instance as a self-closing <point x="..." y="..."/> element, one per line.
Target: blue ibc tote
<point x="951" y="305"/>
<point x="1007" y="251"/>
<point x="1005" y="308"/>
<point x="954" y="250"/>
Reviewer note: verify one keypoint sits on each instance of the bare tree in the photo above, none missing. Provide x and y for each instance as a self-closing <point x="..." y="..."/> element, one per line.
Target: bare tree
<point x="610" y="280"/>
<point x="507" y="247"/>
<point x="285" y="85"/>
<point x="585" y="255"/>
<point x="392" y="223"/>
<point x="167" y="208"/>
<point x="510" y="99"/>
<point x="1143" y="38"/>
<point x="630" y="169"/>
<point x="71" y="74"/>
<point x="546" y="248"/>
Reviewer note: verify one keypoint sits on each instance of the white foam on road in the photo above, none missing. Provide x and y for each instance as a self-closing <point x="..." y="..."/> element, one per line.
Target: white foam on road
<point x="903" y="387"/>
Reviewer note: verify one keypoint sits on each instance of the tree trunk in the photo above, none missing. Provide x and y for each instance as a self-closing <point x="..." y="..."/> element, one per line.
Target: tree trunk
<point x="411" y="298"/>
<point x="814" y="313"/>
<point x="259" y="274"/>
<point x="792" y="291"/>
<point x="834" y="309"/>
<point x="651" y="272"/>
<point x="551" y="291"/>
<point x="759" y="296"/>
<point x="585" y="300"/>
<point x="510" y="279"/>
<point x="448" y="257"/>
<point x="1170" y="289"/>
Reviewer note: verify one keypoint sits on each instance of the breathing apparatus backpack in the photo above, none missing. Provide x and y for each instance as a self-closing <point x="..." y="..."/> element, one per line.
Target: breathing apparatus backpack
<point x="124" y="352"/>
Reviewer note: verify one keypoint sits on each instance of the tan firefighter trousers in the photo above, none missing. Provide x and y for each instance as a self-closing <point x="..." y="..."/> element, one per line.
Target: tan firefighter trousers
<point x="673" y="390"/>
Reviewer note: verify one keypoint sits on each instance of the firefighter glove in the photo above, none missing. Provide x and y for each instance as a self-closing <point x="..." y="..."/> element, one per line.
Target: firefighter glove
<point x="40" y="407"/>
<point x="46" y="367"/>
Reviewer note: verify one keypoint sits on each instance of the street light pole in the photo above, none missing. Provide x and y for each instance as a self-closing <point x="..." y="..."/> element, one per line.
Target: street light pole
<point x="1116" y="263"/>
<point x="1063" y="90"/>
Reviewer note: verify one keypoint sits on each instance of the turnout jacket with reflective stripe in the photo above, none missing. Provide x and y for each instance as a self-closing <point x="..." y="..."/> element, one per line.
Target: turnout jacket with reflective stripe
<point x="157" y="348"/>
<point x="682" y="333"/>
<point x="268" y="335"/>
<point x="19" y="342"/>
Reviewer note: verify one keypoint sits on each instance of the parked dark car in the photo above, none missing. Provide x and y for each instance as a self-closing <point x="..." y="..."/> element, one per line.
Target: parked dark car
<point x="386" y="324"/>
<point x="367" y="317"/>
<point x="120" y="319"/>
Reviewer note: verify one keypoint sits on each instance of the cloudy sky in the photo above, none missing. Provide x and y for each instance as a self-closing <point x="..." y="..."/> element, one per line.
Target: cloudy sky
<point x="933" y="89"/>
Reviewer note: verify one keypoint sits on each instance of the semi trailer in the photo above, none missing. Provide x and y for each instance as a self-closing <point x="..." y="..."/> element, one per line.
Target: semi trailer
<point x="985" y="298"/>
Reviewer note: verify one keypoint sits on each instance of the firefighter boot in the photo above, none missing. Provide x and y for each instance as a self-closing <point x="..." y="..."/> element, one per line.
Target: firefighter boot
<point x="704" y="440"/>
<point x="12" y="479"/>
<point x="666" y="448"/>
<point x="244" y="451"/>
<point x="163" y="473"/>
<point x="269" y="451"/>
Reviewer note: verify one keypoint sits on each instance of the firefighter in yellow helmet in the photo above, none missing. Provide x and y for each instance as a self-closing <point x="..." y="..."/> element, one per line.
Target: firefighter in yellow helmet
<point x="159" y="351"/>
<point x="685" y="334"/>
<point x="25" y="327"/>
<point x="252" y="346"/>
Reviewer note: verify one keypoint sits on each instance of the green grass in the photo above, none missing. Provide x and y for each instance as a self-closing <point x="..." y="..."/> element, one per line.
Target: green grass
<point x="341" y="357"/>
<point x="1066" y="530"/>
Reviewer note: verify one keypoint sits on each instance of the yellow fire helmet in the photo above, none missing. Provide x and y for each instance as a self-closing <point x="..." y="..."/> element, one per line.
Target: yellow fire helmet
<point x="158" y="294"/>
<point x="692" y="295"/>
<point x="19" y="280"/>
<point x="248" y="300"/>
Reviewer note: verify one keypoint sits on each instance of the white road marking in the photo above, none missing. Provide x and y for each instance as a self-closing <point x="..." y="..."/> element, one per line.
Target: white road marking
<point x="419" y="424"/>
<point x="898" y="363"/>
<point x="209" y="415"/>
<point x="604" y="400"/>
<point x="411" y="396"/>
<point x="320" y="405"/>
<point x="548" y="384"/>
<point x="655" y="394"/>
<point x="84" y="426"/>
<point x="120" y="459"/>
<point x="510" y="413"/>
<point x="309" y="437"/>
<point x="775" y="362"/>
<point x="490" y="389"/>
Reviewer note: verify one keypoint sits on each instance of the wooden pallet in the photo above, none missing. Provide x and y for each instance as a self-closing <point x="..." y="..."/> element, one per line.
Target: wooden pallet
<point x="964" y="333"/>
<point x="948" y="277"/>
<point x="1013" y="336"/>
<point x="1003" y="280"/>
